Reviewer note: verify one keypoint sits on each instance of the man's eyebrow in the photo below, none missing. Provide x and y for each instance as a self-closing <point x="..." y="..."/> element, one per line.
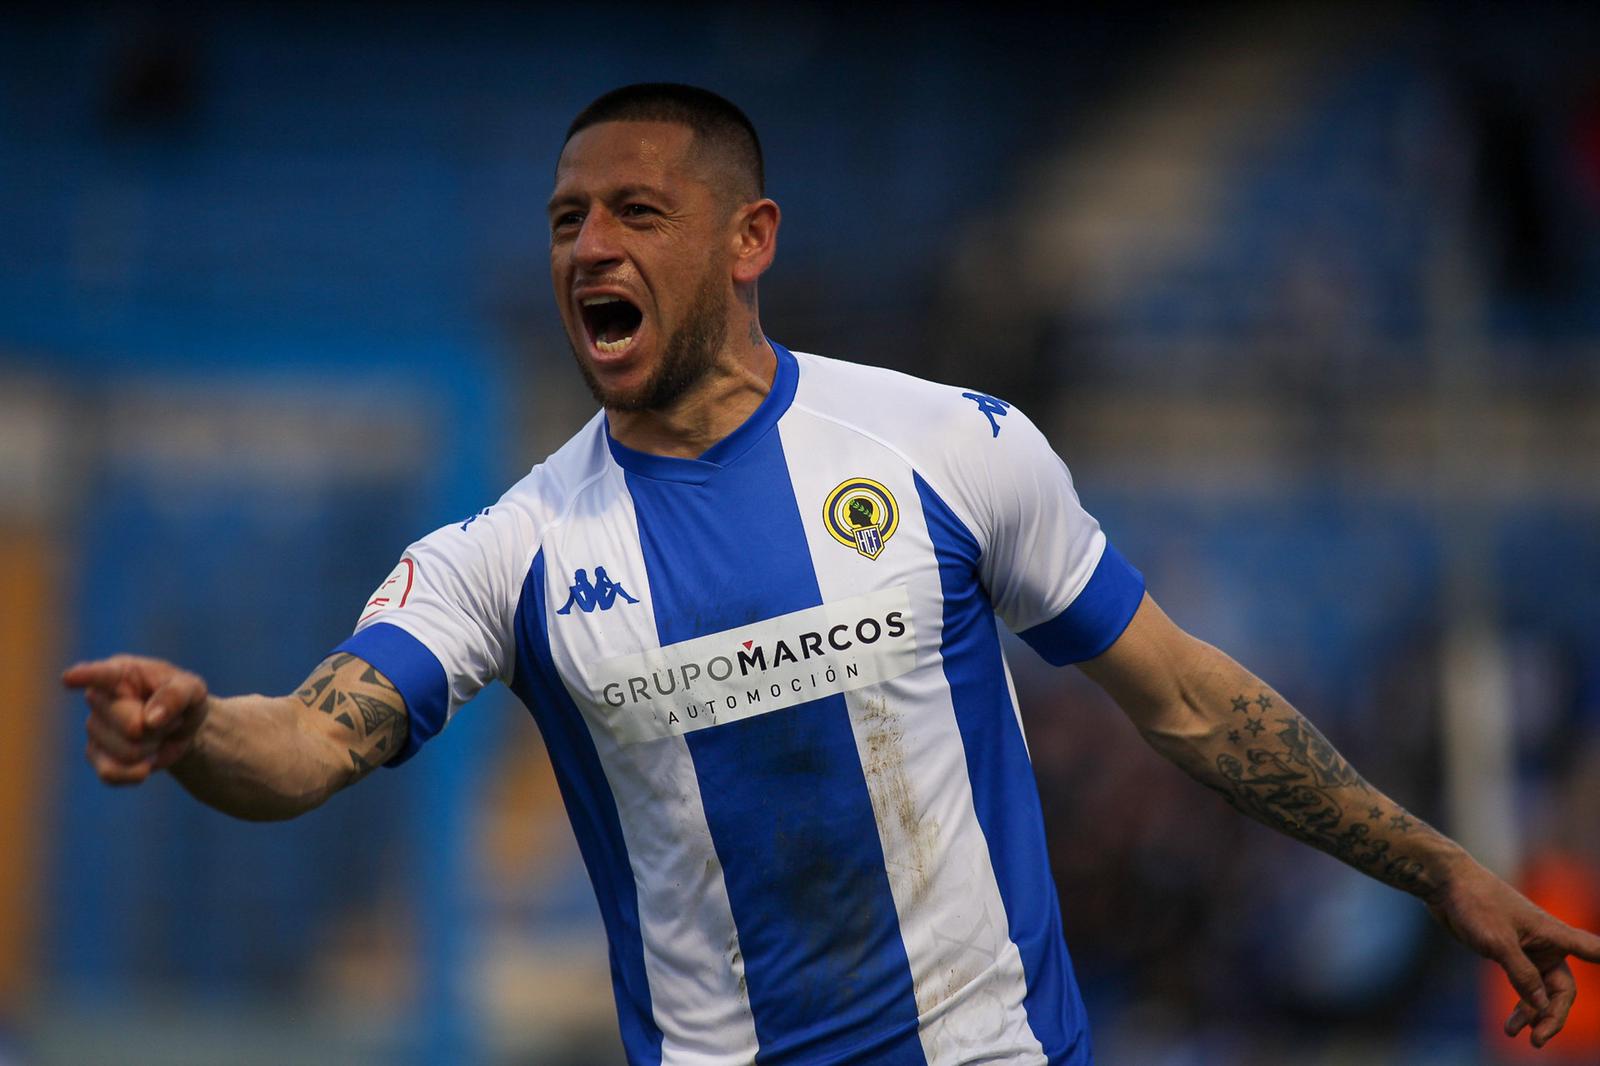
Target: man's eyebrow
<point x="625" y="192"/>
<point x="621" y="192"/>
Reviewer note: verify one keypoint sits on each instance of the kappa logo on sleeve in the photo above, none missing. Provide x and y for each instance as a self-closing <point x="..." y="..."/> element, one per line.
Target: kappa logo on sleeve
<point x="394" y="590"/>
<point x="861" y="514"/>
<point x="992" y="408"/>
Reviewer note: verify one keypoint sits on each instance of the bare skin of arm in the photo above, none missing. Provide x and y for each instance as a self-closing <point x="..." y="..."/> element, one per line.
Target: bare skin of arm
<point x="1231" y="732"/>
<point x="260" y="758"/>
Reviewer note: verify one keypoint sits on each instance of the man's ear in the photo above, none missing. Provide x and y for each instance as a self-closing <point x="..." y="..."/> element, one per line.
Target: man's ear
<point x="755" y="239"/>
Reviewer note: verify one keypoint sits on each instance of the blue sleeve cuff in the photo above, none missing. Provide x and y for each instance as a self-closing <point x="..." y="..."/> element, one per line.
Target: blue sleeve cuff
<point x="412" y="669"/>
<point x="1092" y="622"/>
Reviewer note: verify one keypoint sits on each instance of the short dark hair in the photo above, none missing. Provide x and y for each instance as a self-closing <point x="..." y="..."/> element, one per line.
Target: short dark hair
<point x="718" y="125"/>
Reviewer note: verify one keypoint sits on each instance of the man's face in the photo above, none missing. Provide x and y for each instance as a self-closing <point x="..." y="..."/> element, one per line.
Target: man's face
<point x="639" y="255"/>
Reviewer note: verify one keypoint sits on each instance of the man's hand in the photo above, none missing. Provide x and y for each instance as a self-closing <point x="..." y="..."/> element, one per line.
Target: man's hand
<point x="258" y="757"/>
<point x="1499" y="923"/>
<point x="1232" y="733"/>
<point x="143" y="714"/>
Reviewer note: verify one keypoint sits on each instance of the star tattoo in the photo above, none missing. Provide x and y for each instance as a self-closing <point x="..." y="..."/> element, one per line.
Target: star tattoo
<point x="1241" y="704"/>
<point x="1255" y="727"/>
<point x="1264" y="700"/>
<point x="1400" y="822"/>
<point x="1233" y="736"/>
<point x="1375" y="813"/>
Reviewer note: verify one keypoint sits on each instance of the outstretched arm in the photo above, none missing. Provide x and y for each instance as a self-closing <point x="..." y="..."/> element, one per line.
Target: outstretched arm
<point x="254" y="757"/>
<point x="1231" y="732"/>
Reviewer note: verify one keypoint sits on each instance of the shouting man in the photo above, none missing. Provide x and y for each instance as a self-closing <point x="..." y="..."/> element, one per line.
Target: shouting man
<point x="780" y="718"/>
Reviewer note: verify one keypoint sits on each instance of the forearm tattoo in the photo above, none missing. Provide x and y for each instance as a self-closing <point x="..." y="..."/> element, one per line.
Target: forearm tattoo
<point x="1276" y="767"/>
<point x="358" y="697"/>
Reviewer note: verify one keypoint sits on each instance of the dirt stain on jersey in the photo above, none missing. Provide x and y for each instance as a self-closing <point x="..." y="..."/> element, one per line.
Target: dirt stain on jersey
<point x="736" y="965"/>
<point x="712" y="874"/>
<point x="912" y="842"/>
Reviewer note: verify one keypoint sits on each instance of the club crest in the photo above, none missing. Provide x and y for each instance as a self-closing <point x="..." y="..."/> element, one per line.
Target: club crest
<point x="861" y="514"/>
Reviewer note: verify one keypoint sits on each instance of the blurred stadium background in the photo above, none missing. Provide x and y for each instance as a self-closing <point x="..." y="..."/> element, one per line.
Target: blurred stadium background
<point x="1309" y="297"/>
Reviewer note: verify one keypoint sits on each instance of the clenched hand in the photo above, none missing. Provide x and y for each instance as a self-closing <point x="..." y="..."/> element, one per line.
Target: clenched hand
<point x="143" y="714"/>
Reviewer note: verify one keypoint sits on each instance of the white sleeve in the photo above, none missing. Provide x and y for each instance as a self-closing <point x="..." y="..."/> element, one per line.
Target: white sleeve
<point x="1049" y="571"/>
<point x="440" y="626"/>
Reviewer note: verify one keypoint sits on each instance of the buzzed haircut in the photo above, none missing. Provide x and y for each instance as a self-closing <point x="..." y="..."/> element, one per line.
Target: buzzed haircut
<point x="719" y="127"/>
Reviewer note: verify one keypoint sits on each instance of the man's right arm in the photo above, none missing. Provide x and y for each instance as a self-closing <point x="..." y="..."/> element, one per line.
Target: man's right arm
<point x="254" y="757"/>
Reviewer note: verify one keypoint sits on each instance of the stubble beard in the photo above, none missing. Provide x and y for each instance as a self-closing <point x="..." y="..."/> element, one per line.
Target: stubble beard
<point x="690" y="353"/>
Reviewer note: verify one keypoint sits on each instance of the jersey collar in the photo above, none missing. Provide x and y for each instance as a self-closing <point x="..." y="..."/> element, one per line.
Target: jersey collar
<point x="727" y="450"/>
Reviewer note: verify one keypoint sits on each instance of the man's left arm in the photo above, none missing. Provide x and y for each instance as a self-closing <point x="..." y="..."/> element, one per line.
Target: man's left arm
<point x="1231" y="732"/>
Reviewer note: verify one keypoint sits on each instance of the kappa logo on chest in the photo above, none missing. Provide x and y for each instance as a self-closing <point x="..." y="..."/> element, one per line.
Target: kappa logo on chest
<point x="600" y="594"/>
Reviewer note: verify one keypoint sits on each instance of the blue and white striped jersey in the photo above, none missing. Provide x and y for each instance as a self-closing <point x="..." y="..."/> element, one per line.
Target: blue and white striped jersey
<point x="771" y="684"/>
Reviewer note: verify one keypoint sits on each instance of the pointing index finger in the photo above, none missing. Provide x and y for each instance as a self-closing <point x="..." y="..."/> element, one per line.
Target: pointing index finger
<point x="100" y="673"/>
<point x="1580" y="942"/>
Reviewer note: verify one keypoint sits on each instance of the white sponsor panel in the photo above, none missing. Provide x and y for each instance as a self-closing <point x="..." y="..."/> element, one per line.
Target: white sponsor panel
<point x="754" y="669"/>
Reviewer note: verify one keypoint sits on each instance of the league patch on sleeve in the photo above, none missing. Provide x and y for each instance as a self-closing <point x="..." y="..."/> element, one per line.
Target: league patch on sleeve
<point x="393" y="592"/>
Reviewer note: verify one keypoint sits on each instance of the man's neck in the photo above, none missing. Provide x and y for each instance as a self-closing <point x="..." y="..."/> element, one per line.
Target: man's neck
<point x="719" y="404"/>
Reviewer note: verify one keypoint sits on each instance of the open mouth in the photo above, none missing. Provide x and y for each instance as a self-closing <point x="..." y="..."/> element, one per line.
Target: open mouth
<point x="612" y="322"/>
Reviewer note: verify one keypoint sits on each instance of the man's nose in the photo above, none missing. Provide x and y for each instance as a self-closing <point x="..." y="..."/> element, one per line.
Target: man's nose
<point x="597" y="246"/>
